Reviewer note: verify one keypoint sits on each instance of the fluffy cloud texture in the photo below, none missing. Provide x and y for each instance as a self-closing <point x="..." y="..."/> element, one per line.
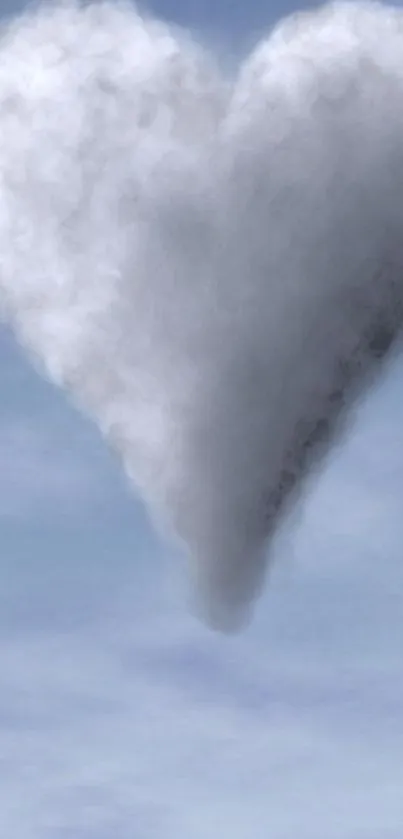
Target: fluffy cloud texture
<point x="120" y="716"/>
<point x="210" y="265"/>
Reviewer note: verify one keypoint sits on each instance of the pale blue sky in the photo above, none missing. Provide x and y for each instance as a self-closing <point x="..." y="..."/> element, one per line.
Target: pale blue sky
<point x="123" y="718"/>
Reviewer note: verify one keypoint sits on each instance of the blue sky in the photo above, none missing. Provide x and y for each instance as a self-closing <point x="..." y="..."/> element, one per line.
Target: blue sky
<point x="121" y="716"/>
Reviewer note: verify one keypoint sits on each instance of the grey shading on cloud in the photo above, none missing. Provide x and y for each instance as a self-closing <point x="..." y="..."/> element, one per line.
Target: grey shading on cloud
<point x="120" y="716"/>
<point x="112" y="733"/>
<point x="211" y="266"/>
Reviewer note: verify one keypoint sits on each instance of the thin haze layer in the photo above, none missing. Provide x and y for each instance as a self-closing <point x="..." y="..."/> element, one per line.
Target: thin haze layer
<point x="210" y="266"/>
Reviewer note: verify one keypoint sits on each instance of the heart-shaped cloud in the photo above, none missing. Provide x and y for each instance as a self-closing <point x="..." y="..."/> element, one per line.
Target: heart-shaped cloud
<point x="210" y="265"/>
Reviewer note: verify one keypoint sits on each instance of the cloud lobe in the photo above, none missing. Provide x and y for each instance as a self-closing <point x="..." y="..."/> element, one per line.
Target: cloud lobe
<point x="211" y="266"/>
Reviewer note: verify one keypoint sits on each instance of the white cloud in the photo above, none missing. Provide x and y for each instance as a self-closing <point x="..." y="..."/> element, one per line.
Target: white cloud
<point x="206" y="263"/>
<point x="129" y="721"/>
<point x="141" y="724"/>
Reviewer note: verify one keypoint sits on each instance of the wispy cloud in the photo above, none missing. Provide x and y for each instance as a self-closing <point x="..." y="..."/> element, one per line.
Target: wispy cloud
<point x="138" y="738"/>
<point x="121" y="718"/>
<point x="138" y="723"/>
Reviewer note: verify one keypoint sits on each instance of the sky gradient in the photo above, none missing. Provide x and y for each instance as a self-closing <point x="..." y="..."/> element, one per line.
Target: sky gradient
<point x="121" y="716"/>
